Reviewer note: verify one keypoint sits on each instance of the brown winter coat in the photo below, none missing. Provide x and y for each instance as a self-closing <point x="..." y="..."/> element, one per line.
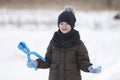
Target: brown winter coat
<point x="66" y="63"/>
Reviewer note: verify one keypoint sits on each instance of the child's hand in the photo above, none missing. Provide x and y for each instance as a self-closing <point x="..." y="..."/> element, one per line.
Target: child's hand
<point x="32" y="63"/>
<point x="94" y="70"/>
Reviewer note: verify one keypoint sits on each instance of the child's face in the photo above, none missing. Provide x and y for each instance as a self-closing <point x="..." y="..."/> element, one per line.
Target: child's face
<point x="64" y="27"/>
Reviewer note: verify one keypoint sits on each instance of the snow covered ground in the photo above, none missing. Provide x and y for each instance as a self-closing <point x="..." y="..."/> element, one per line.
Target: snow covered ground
<point x="99" y="31"/>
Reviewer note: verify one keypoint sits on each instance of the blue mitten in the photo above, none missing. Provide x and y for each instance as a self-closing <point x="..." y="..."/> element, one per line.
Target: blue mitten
<point x="94" y="70"/>
<point x="32" y="63"/>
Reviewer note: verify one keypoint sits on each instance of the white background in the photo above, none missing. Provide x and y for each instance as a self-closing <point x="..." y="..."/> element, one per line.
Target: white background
<point x="99" y="32"/>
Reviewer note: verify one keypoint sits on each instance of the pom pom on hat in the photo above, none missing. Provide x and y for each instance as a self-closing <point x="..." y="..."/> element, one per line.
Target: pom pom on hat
<point x="67" y="16"/>
<point x="69" y="9"/>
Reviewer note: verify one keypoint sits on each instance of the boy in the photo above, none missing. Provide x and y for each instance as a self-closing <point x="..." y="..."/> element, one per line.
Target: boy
<point x="66" y="54"/>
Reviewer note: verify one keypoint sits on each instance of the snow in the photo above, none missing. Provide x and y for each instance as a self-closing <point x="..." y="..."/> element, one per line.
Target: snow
<point x="98" y="30"/>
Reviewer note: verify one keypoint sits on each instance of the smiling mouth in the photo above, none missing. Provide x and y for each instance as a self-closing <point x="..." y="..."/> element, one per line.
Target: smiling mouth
<point x="64" y="29"/>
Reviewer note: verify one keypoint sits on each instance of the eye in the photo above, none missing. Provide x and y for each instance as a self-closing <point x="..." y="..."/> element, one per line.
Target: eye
<point x="66" y="24"/>
<point x="61" y="23"/>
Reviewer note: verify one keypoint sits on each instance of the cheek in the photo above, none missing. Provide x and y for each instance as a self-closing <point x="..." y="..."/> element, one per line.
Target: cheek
<point x="69" y="28"/>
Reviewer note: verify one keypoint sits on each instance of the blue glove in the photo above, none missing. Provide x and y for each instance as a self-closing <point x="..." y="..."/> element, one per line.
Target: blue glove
<point x="94" y="70"/>
<point x="32" y="63"/>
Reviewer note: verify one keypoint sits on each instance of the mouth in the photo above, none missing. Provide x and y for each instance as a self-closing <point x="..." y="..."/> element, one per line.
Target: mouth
<point x="64" y="29"/>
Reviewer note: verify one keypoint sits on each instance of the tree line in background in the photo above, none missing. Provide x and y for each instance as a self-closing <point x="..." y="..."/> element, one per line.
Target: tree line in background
<point x="54" y="4"/>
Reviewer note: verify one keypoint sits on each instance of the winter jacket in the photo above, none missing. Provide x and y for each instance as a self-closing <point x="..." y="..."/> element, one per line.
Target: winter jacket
<point x="66" y="63"/>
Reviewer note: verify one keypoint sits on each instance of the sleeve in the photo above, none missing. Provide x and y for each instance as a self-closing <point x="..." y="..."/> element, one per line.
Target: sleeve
<point x="83" y="60"/>
<point x="46" y="64"/>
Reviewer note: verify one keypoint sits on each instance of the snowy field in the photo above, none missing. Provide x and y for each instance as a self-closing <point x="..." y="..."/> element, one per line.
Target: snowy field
<point x="99" y="31"/>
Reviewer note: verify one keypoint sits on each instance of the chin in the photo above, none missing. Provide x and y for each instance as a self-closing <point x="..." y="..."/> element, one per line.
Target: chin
<point x="65" y="32"/>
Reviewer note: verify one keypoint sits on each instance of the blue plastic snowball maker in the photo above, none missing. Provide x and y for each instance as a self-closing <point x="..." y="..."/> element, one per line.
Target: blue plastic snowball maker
<point x="23" y="47"/>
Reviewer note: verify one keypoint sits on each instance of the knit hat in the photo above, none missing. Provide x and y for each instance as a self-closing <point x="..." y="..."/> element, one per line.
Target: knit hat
<point x="67" y="16"/>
